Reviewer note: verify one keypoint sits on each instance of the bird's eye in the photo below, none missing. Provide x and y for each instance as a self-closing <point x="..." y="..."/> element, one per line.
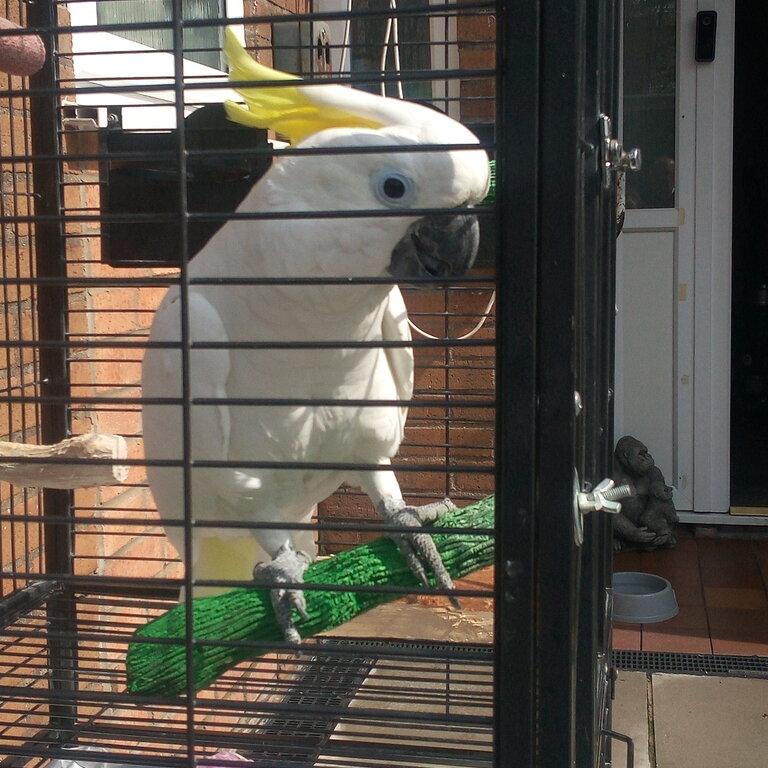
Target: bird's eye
<point x="393" y="188"/>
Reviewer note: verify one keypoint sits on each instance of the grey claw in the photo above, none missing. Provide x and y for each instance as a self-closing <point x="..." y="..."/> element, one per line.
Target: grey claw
<point x="299" y="602"/>
<point x="404" y="544"/>
<point x="427" y="549"/>
<point x="287" y="566"/>
<point x="291" y="636"/>
<point x="418" y="546"/>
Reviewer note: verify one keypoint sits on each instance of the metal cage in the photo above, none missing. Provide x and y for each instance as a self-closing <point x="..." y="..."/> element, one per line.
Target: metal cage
<point x="117" y="167"/>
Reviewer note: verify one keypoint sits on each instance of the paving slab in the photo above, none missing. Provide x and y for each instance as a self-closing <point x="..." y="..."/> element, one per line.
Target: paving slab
<point x="710" y="722"/>
<point x="420" y="622"/>
<point x="419" y="712"/>
<point x="675" y="721"/>
<point x="630" y="717"/>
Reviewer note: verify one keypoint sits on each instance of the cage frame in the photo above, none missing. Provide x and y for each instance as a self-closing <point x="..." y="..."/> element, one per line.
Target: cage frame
<point x="529" y="731"/>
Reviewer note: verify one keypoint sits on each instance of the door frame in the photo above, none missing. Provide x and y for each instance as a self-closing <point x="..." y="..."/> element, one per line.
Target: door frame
<point x="701" y="293"/>
<point x="712" y="213"/>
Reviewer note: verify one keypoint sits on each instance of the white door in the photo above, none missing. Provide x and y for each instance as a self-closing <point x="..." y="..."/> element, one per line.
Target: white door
<point x="673" y="271"/>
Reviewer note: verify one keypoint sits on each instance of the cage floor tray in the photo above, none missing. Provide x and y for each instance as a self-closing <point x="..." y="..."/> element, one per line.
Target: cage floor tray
<point x="351" y="701"/>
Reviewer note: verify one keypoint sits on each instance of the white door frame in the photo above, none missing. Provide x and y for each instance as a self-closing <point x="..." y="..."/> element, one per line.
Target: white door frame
<point x="700" y="227"/>
<point x="712" y="263"/>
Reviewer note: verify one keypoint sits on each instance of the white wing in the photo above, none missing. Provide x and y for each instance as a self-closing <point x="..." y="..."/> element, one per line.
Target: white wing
<point x="217" y="554"/>
<point x="162" y="377"/>
<point x="395" y="327"/>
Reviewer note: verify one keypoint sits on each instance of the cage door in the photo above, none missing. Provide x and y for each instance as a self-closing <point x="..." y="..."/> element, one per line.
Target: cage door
<point x="557" y="241"/>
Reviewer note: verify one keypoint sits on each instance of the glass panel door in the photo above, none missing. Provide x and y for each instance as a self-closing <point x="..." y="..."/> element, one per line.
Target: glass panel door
<point x="649" y="99"/>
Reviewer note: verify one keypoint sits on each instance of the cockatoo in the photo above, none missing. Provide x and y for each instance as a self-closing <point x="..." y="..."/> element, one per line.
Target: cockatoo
<point x="230" y="346"/>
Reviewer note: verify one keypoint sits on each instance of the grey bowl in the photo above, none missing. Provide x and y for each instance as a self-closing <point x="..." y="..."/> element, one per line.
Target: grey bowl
<point x="642" y="598"/>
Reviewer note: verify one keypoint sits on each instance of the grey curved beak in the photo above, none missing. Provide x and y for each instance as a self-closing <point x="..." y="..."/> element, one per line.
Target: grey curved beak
<point x="437" y="246"/>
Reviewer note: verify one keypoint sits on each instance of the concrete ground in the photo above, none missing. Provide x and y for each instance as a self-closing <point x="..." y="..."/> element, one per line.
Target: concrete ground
<point x="674" y="720"/>
<point x="682" y="721"/>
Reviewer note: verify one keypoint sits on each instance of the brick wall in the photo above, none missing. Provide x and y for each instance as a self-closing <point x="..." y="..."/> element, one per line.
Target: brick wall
<point x="477" y="50"/>
<point x="108" y="314"/>
<point x="95" y="313"/>
<point x="258" y="37"/>
<point x="115" y="533"/>
<point x="20" y="534"/>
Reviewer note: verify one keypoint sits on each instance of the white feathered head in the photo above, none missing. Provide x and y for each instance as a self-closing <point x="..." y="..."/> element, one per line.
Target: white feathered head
<point x="389" y="176"/>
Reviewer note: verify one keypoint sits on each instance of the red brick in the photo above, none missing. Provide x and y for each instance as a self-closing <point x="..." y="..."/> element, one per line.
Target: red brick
<point x="81" y="143"/>
<point x="144" y="558"/>
<point x="88" y="549"/>
<point x="474" y="27"/>
<point x="472" y="485"/>
<point x="120" y="420"/>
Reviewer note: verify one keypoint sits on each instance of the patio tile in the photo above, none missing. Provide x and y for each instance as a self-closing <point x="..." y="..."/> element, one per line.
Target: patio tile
<point x="741" y="598"/>
<point x="739" y="631"/>
<point x="688" y="632"/>
<point x="630" y="717"/>
<point x="722" y="590"/>
<point x="760" y="550"/>
<point x="740" y="647"/>
<point x="681" y="557"/>
<point x="709" y="722"/>
<point x="732" y="620"/>
<point x="683" y="641"/>
<point x="680" y="575"/>
<point x="627" y="637"/>
<point x="689" y="617"/>
<point x="627" y="561"/>
<point x="688" y="594"/>
<point x="729" y="563"/>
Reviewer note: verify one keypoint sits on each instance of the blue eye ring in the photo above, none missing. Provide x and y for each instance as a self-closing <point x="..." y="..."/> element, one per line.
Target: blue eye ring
<point x="393" y="188"/>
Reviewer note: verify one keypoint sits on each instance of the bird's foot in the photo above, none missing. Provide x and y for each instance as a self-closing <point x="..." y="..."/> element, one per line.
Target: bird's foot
<point x="428" y="513"/>
<point x="287" y="567"/>
<point x="418" y="546"/>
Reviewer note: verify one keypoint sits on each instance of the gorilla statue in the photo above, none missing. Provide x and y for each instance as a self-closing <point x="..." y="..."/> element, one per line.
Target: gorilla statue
<point x="647" y="517"/>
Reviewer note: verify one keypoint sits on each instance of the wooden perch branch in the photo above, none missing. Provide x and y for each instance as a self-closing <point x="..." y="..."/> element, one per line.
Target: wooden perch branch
<point x="81" y="473"/>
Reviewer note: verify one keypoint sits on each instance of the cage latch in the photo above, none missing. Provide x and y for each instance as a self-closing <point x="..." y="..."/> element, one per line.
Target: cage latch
<point x="614" y="158"/>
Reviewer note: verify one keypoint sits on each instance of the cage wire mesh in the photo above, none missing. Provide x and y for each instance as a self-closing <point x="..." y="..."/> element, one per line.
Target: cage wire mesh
<point x="117" y="164"/>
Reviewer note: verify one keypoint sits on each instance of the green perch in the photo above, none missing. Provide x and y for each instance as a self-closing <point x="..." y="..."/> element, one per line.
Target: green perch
<point x="490" y="198"/>
<point x="246" y="616"/>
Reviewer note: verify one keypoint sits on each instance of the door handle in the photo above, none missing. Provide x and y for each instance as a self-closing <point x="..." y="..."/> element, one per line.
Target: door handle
<point x="613" y="157"/>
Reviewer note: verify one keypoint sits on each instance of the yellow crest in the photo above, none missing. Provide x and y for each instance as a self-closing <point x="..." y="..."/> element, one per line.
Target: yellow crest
<point x="287" y="109"/>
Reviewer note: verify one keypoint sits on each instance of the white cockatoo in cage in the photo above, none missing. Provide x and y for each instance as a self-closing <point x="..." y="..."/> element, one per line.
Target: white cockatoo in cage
<point x="314" y="347"/>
